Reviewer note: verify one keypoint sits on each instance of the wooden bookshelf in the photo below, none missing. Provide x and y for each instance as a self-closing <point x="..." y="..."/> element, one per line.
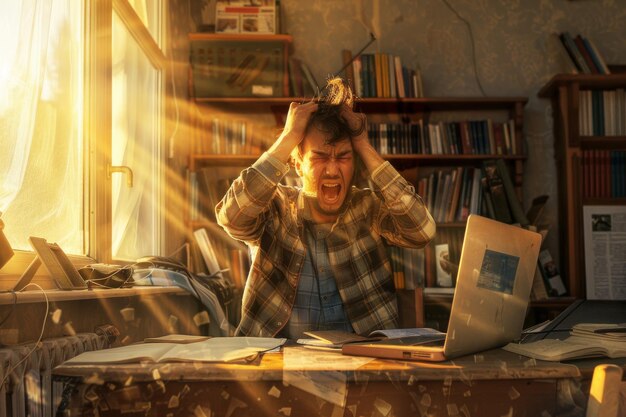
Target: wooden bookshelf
<point x="564" y="92"/>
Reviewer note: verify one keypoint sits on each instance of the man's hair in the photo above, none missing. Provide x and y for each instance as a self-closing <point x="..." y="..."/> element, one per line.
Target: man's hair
<point x="327" y="118"/>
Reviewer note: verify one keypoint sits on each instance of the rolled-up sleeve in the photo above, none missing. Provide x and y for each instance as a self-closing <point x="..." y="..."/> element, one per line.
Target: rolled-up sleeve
<point x="403" y="218"/>
<point x="242" y="211"/>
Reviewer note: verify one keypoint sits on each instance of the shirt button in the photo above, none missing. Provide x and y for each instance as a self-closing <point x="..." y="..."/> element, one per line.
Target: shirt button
<point x="279" y="323"/>
<point x="278" y="173"/>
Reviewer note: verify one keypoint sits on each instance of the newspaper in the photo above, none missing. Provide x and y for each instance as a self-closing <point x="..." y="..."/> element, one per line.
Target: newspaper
<point x="605" y="252"/>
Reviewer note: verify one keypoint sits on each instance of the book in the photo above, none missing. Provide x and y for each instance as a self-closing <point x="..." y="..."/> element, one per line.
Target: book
<point x="176" y="338"/>
<point x="215" y="349"/>
<point x="577" y="57"/>
<point x="514" y="204"/>
<point x="580" y="44"/>
<point x="207" y="250"/>
<point x="311" y="85"/>
<point x="585" y="340"/>
<point x="596" y="56"/>
<point x="566" y="62"/>
<point x="549" y="271"/>
<point x="495" y="185"/>
<point x="337" y="338"/>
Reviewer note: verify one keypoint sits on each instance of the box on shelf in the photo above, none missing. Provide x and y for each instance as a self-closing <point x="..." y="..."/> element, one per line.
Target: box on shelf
<point x="238" y="68"/>
<point x="248" y="16"/>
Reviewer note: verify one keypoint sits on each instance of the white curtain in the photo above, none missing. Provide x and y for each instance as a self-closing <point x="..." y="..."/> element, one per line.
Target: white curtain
<point x="41" y="177"/>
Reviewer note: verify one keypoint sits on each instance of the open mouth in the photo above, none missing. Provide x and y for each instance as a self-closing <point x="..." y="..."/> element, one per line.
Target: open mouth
<point x="331" y="192"/>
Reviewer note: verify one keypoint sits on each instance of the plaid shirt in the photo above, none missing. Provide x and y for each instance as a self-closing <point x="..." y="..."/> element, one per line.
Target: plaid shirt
<point x="268" y="217"/>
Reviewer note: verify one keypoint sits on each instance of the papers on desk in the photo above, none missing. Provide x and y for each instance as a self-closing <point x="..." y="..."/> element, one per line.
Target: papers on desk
<point x="216" y="349"/>
<point x="586" y="340"/>
<point x="323" y="374"/>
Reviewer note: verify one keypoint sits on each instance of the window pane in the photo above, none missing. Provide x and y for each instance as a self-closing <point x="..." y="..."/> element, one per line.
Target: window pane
<point x="135" y="130"/>
<point x="41" y="117"/>
<point x="149" y="13"/>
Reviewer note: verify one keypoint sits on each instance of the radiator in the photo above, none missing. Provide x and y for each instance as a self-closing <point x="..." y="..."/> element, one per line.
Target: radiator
<point x="28" y="390"/>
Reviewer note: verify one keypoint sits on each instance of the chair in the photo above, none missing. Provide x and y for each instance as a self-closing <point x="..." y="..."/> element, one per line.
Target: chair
<point x="604" y="395"/>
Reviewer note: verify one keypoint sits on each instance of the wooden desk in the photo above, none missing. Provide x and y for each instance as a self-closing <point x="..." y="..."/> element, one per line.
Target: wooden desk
<point x="494" y="383"/>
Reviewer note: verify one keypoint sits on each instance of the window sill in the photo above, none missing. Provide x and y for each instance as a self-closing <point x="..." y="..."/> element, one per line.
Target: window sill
<point x="34" y="296"/>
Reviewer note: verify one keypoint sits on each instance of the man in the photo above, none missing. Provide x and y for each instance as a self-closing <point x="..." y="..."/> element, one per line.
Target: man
<point x="319" y="257"/>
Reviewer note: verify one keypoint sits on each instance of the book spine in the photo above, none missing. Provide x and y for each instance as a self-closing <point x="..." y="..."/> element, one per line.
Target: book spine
<point x="501" y="210"/>
<point x="515" y="205"/>
<point x="568" y="41"/>
<point x="580" y="45"/>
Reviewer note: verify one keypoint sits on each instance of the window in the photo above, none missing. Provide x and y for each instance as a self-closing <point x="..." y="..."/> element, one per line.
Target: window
<point x="136" y="121"/>
<point x="60" y="149"/>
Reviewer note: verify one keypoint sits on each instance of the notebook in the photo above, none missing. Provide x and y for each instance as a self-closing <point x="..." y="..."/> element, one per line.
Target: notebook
<point x="496" y="270"/>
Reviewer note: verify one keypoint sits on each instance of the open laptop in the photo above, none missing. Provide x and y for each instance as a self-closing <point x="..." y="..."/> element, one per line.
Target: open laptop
<point x="496" y="270"/>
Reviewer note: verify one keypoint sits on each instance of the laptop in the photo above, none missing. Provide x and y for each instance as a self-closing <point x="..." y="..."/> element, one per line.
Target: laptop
<point x="496" y="271"/>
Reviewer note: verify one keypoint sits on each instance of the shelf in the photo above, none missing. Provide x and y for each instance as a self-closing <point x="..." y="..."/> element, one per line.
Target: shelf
<point x="555" y="302"/>
<point x="246" y="160"/>
<point x="596" y="201"/>
<point x="409" y="104"/>
<point x="63" y="295"/>
<point x="584" y="82"/>
<point x="239" y="37"/>
<point x="603" y="142"/>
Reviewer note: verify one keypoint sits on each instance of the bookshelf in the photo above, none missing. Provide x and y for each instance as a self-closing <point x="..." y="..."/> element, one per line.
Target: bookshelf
<point x="264" y="115"/>
<point x="578" y="136"/>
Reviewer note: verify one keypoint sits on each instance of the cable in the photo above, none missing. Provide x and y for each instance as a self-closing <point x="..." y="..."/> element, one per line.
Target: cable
<point x="36" y="345"/>
<point x="469" y="29"/>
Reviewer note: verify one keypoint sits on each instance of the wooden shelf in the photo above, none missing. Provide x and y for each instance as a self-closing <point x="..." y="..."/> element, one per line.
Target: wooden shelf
<point x="240" y="37"/>
<point x="603" y="142"/>
<point x="246" y="160"/>
<point x="407" y="104"/>
<point x="34" y="296"/>
<point x="569" y="145"/>
<point x="595" y="201"/>
<point x="584" y="82"/>
<point x="550" y="303"/>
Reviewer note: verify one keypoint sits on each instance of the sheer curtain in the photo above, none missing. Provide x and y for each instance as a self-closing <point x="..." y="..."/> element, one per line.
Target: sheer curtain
<point x="41" y="167"/>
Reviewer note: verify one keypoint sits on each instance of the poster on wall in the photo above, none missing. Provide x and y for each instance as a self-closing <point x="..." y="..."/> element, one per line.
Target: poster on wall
<point x="605" y="252"/>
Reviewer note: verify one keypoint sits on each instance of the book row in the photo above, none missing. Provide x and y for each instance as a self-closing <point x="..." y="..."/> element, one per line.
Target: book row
<point x="584" y="54"/>
<point x="445" y="138"/>
<point x="452" y="195"/>
<point x="604" y="174"/>
<point x="382" y="75"/>
<point x="602" y="112"/>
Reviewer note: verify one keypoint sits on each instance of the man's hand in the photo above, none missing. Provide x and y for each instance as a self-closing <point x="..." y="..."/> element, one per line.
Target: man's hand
<point x="360" y="143"/>
<point x="293" y="132"/>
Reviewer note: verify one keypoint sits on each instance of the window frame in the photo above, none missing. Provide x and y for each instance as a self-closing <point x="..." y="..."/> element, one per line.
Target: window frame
<point x="97" y="66"/>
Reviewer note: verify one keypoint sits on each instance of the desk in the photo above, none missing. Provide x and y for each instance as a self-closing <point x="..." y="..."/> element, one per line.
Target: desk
<point x="493" y="383"/>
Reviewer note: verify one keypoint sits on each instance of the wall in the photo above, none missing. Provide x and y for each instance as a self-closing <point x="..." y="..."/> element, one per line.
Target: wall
<point x="514" y="53"/>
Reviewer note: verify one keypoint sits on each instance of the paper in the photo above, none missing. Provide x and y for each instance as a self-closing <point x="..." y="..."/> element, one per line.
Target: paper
<point x="216" y="349"/>
<point x="605" y="256"/>
<point x="320" y="373"/>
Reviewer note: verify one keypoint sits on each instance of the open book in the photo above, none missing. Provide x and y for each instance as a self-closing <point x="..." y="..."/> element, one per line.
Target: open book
<point x="215" y="349"/>
<point x="336" y="338"/>
<point x="586" y="340"/>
